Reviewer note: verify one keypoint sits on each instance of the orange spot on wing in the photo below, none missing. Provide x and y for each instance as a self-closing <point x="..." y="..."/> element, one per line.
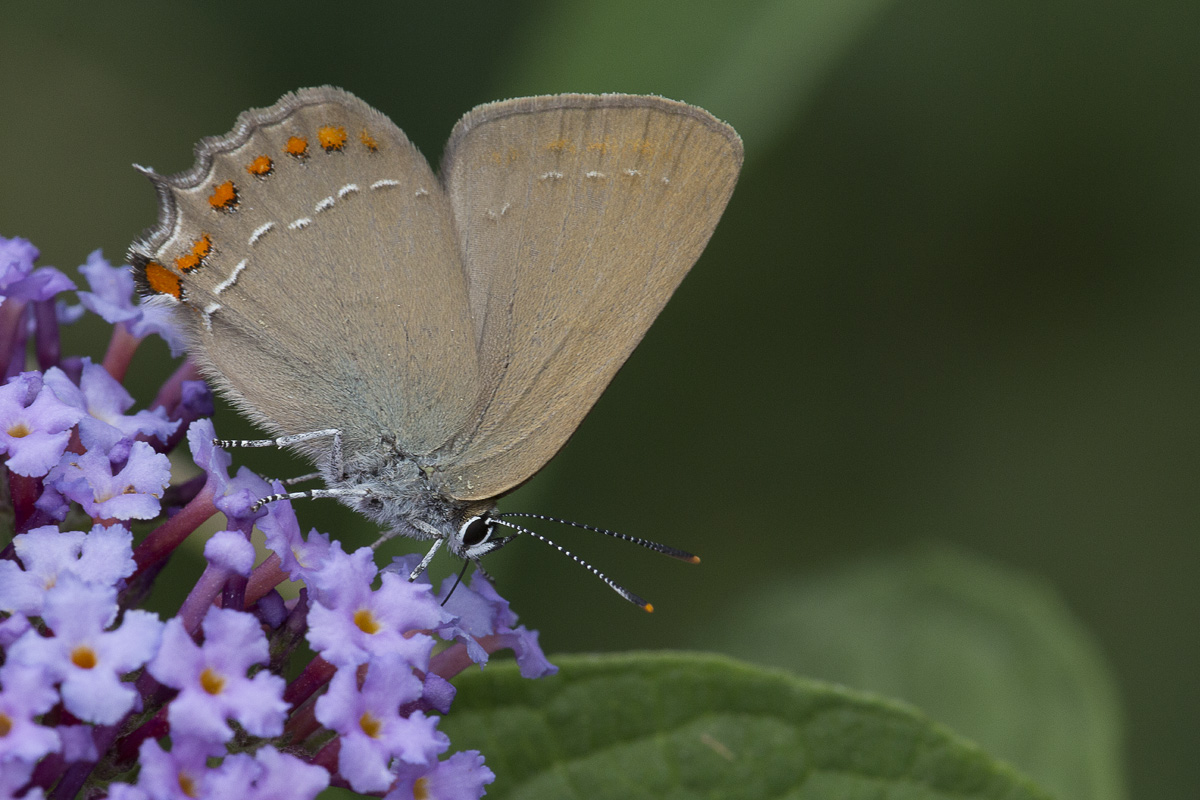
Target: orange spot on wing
<point x="200" y="250"/>
<point x="598" y="147"/>
<point x="202" y="246"/>
<point x="331" y="137"/>
<point x="260" y="167"/>
<point x="368" y="140"/>
<point x="224" y="197"/>
<point x="560" y="146"/>
<point x="162" y="281"/>
<point x="296" y="146"/>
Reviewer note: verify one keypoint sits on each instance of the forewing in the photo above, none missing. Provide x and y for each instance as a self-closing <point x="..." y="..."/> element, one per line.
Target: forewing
<point x="312" y="253"/>
<point x="577" y="217"/>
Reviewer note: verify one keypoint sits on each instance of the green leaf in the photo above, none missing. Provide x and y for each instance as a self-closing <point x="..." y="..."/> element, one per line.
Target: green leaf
<point x="689" y="726"/>
<point x="993" y="654"/>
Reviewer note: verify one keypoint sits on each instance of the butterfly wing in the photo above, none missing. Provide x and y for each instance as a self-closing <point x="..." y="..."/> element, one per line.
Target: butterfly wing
<point x="577" y="216"/>
<point x="312" y="256"/>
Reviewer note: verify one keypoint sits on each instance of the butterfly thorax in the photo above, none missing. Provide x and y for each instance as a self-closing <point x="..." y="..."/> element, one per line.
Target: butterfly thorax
<point x="400" y="496"/>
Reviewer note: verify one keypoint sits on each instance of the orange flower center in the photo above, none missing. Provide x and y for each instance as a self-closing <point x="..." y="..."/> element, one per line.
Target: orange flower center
<point x="188" y="785"/>
<point x="370" y="724"/>
<point x="84" y="657"/>
<point x="212" y="681"/>
<point x="366" y="621"/>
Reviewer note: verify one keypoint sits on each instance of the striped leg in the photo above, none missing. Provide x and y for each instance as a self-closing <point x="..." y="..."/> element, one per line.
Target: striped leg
<point x="311" y="494"/>
<point x="335" y="459"/>
<point x="335" y="454"/>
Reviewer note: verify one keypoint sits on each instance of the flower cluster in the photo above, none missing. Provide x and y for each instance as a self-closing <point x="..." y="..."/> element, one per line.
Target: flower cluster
<point x="93" y="688"/>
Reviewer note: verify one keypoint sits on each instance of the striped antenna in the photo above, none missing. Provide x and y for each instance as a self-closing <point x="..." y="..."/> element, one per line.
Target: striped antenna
<point x="616" y="587"/>
<point x="682" y="555"/>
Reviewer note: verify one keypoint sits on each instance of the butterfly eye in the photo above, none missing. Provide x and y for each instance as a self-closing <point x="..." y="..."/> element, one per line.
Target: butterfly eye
<point x="476" y="531"/>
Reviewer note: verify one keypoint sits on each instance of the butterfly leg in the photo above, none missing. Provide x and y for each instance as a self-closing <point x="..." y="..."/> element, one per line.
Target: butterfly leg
<point x="424" y="565"/>
<point x="335" y="462"/>
<point x="335" y="450"/>
<point x="311" y="494"/>
<point x="486" y="575"/>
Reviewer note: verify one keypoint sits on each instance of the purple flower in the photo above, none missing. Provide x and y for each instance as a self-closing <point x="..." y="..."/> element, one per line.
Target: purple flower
<point x="211" y="678"/>
<point x="462" y="776"/>
<point x="25" y="693"/>
<point x="86" y="657"/>
<point x="195" y="399"/>
<point x="102" y="557"/>
<point x="13" y="776"/>
<point x="181" y="773"/>
<point x="105" y="401"/>
<point x="234" y="497"/>
<point x="133" y="492"/>
<point x="349" y="623"/>
<point x="112" y="287"/>
<point x="18" y="278"/>
<point x="372" y="731"/>
<point x="230" y="550"/>
<point x="112" y="298"/>
<point x="77" y="743"/>
<point x="301" y="557"/>
<point x="477" y="612"/>
<point x="16" y="260"/>
<point x="438" y="693"/>
<point x="35" y="425"/>
<point x="12" y="629"/>
<point x="184" y="773"/>
<point x="213" y="460"/>
<point x="267" y="775"/>
<point x="72" y="656"/>
<point x="123" y="791"/>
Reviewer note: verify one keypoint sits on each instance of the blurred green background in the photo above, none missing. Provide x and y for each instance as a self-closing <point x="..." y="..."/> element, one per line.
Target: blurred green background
<point x="954" y="297"/>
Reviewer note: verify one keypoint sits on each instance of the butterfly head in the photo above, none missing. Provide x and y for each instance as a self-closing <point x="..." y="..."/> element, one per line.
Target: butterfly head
<point x="476" y="536"/>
